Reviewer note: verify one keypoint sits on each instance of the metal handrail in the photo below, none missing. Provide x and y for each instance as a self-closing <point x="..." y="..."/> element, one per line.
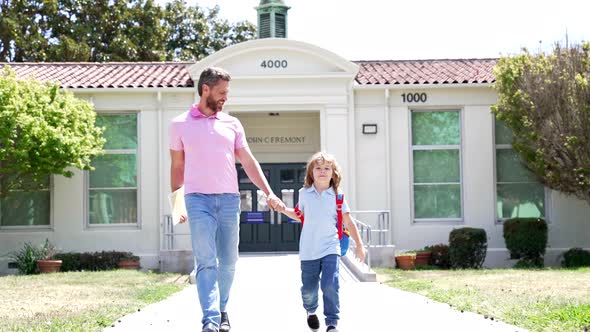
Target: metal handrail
<point x="168" y="233"/>
<point x="383" y="224"/>
<point x="365" y="232"/>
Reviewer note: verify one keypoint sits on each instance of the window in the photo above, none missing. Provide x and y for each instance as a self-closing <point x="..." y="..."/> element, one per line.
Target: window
<point x="112" y="197"/>
<point x="436" y="159"/>
<point x="518" y="192"/>
<point x="27" y="208"/>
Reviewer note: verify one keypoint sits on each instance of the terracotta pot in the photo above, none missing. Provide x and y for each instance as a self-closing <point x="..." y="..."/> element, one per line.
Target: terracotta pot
<point x="405" y="262"/>
<point x="423" y="258"/>
<point x="129" y="265"/>
<point x="49" y="265"/>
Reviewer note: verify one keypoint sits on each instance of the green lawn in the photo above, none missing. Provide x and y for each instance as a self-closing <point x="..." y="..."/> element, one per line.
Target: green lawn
<point x="539" y="300"/>
<point x="79" y="301"/>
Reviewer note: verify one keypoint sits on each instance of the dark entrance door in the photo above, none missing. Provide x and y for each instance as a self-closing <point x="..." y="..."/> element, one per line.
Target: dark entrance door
<point x="260" y="228"/>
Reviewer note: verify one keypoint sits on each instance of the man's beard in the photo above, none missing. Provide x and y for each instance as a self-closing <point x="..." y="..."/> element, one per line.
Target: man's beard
<point x="214" y="104"/>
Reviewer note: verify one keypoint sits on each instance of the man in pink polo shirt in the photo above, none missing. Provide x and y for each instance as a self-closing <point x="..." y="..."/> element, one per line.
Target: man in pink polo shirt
<point x="204" y="145"/>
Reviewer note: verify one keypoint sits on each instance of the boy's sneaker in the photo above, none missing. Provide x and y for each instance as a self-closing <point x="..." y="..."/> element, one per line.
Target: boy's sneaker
<point x="331" y="329"/>
<point x="224" y="324"/>
<point x="313" y="322"/>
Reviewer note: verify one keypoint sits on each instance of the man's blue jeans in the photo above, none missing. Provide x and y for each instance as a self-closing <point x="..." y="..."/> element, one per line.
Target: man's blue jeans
<point x="214" y="221"/>
<point x="324" y="272"/>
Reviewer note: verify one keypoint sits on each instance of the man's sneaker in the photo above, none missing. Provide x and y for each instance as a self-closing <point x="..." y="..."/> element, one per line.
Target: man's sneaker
<point x="313" y="322"/>
<point x="224" y="325"/>
<point x="331" y="329"/>
<point x="209" y="327"/>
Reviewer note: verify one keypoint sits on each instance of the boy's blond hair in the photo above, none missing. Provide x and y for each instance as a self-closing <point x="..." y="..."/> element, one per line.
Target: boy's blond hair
<point x="320" y="158"/>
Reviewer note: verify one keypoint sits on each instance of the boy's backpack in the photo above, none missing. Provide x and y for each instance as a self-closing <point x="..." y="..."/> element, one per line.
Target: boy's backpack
<point x="343" y="234"/>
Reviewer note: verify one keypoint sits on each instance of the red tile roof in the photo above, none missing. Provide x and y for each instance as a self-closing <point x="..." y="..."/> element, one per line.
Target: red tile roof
<point x="459" y="71"/>
<point x="108" y="75"/>
<point x="175" y="74"/>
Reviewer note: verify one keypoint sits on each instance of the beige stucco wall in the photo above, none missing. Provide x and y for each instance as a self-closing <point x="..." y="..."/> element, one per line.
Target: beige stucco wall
<point x="384" y="173"/>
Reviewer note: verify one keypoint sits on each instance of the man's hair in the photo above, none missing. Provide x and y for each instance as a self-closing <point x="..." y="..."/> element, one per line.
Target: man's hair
<point x="211" y="76"/>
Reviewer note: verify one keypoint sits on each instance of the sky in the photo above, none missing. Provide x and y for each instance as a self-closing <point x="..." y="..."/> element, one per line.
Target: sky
<point x="425" y="29"/>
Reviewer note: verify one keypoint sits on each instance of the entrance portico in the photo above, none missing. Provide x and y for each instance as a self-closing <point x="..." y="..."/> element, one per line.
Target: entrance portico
<point x="277" y="78"/>
<point x="293" y="100"/>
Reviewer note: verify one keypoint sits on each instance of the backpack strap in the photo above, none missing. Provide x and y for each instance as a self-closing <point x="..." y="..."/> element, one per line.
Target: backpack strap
<point x="299" y="213"/>
<point x="339" y="201"/>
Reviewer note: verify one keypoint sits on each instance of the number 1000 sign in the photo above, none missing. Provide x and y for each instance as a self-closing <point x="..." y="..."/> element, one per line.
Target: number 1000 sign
<point x="414" y="97"/>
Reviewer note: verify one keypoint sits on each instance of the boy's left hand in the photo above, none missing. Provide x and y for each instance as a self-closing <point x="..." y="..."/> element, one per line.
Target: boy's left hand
<point x="360" y="253"/>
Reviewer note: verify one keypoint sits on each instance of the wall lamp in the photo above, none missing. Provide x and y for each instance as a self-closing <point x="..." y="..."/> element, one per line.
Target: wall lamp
<point x="369" y="128"/>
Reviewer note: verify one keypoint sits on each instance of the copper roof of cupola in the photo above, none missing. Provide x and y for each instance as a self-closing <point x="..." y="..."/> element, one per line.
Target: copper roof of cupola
<point x="112" y="75"/>
<point x="268" y="2"/>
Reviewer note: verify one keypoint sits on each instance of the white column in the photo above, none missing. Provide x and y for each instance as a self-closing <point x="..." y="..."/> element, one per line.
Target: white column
<point x="335" y="140"/>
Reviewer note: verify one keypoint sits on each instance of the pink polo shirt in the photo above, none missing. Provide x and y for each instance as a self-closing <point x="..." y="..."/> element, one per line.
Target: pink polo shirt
<point x="209" y="145"/>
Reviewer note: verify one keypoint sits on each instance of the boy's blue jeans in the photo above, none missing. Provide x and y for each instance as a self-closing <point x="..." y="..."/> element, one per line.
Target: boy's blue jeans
<point x="324" y="272"/>
<point x="214" y="221"/>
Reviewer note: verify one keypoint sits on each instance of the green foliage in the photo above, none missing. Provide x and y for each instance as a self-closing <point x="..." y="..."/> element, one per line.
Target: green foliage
<point x="95" y="261"/>
<point x="26" y="258"/>
<point x="193" y="33"/>
<point x="467" y="247"/>
<point x="526" y="239"/>
<point x="47" y="251"/>
<point x="103" y="30"/>
<point x="43" y="130"/>
<point x="576" y="257"/>
<point x="440" y="255"/>
<point x="545" y="100"/>
<point x="575" y="317"/>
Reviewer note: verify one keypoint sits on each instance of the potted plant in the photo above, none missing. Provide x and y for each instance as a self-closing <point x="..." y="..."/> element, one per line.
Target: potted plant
<point x="129" y="261"/>
<point x="423" y="256"/>
<point x="47" y="263"/>
<point x="406" y="260"/>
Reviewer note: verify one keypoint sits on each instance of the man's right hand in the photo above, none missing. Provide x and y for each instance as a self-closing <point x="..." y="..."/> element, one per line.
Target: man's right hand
<point x="275" y="203"/>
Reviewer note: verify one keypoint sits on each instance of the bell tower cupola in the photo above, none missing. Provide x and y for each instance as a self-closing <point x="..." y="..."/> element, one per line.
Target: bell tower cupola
<point x="272" y="19"/>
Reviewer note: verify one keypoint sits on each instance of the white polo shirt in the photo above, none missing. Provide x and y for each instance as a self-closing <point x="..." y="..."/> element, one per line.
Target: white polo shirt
<point x="319" y="236"/>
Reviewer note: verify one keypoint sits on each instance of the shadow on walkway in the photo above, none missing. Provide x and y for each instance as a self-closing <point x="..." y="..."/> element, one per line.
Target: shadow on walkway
<point x="265" y="297"/>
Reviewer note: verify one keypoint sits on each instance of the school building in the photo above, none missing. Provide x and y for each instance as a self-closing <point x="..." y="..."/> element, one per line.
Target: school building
<point x="418" y="144"/>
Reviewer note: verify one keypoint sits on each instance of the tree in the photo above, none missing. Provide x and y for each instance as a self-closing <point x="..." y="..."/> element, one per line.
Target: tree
<point x="194" y="33"/>
<point x="43" y="130"/>
<point x="112" y="30"/>
<point x="545" y="100"/>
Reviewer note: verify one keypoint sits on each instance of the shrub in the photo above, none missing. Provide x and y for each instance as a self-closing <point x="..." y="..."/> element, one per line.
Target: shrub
<point x="96" y="261"/>
<point x="526" y="240"/>
<point x="128" y="256"/>
<point x="47" y="251"/>
<point x="440" y="255"/>
<point x="576" y="257"/>
<point x="467" y="247"/>
<point x="26" y="258"/>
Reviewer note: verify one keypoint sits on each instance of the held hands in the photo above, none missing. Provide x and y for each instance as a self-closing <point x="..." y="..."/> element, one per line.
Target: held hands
<point x="275" y="203"/>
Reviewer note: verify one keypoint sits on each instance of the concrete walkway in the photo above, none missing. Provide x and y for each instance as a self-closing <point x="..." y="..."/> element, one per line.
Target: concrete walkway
<point x="265" y="297"/>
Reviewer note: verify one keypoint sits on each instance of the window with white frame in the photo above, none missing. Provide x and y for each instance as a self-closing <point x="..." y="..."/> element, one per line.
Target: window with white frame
<point x="518" y="192"/>
<point x="436" y="161"/>
<point x="112" y="197"/>
<point x="27" y="208"/>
